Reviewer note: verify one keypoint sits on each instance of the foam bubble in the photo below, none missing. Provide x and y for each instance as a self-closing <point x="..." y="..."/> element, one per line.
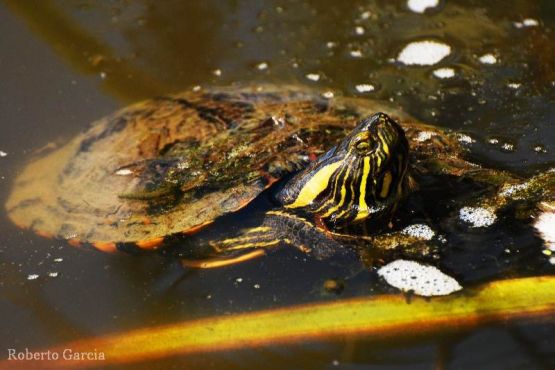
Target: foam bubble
<point x="420" y="6"/>
<point x="420" y="231"/>
<point x="444" y="73"/>
<point x="362" y="88"/>
<point x="488" y="59"/>
<point x="513" y="190"/>
<point x="313" y="77"/>
<point x="424" y="136"/>
<point x="465" y="139"/>
<point x="528" y="22"/>
<point x="508" y="147"/>
<point x="545" y="224"/>
<point x="262" y="66"/>
<point x="423" y="53"/>
<point x="477" y="216"/>
<point x="421" y="279"/>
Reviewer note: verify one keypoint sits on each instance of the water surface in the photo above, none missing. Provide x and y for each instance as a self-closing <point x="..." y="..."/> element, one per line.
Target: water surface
<point x="66" y="63"/>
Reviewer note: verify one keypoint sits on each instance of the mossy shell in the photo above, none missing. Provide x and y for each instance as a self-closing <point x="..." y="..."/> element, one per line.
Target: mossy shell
<point x="224" y="146"/>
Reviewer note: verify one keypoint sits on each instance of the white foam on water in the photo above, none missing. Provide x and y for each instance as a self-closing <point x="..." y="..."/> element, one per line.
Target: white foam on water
<point x="488" y="59"/>
<point x="545" y="224"/>
<point x="477" y="216"/>
<point x="313" y="77"/>
<point x="528" y="22"/>
<point x="420" y="6"/>
<point x="423" y="53"/>
<point x="465" y="139"/>
<point x="424" y="136"/>
<point x="420" y="231"/>
<point x="514" y="189"/>
<point x="444" y="73"/>
<point x="362" y="88"/>
<point x="365" y="15"/>
<point x="508" y="147"/>
<point x="262" y="66"/>
<point x="421" y="279"/>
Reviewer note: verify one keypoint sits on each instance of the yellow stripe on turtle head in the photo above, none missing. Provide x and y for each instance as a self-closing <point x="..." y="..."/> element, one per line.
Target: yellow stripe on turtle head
<point x="385" y="145"/>
<point x="343" y="193"/>
<point x="313" y="187"/>
<point x="386" y="183"/>
<point x="362" y="206"/>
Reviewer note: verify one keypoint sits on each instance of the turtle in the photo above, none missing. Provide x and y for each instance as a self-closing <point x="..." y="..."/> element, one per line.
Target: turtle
<point x="335" y="169"/>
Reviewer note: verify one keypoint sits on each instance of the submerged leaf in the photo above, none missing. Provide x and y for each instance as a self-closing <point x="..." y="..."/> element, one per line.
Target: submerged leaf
<point x="373" y="317"/>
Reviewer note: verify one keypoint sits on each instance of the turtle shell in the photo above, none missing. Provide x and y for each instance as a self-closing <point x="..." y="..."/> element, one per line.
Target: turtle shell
<point x="174" y="164"/>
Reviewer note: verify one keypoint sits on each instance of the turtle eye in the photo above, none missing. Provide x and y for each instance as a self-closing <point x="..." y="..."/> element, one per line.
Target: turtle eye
<point x="364" y="144"/>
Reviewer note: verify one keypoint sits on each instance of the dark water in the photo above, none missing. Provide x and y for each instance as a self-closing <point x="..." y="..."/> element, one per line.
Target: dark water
<point x="64" y="64"/>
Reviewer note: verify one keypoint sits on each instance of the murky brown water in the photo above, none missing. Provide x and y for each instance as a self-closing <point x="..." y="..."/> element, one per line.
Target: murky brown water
<point x="66" y="63"/>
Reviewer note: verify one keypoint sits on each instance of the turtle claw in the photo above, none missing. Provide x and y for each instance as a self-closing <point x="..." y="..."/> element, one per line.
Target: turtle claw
<point x="209" y="263"/>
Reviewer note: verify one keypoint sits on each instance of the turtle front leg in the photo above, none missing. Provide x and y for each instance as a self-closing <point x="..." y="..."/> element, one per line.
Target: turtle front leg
<point x="278" y="228"/>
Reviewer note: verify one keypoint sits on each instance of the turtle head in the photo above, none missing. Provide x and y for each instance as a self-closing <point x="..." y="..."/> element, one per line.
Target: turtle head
<point x="364" y="175"/>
